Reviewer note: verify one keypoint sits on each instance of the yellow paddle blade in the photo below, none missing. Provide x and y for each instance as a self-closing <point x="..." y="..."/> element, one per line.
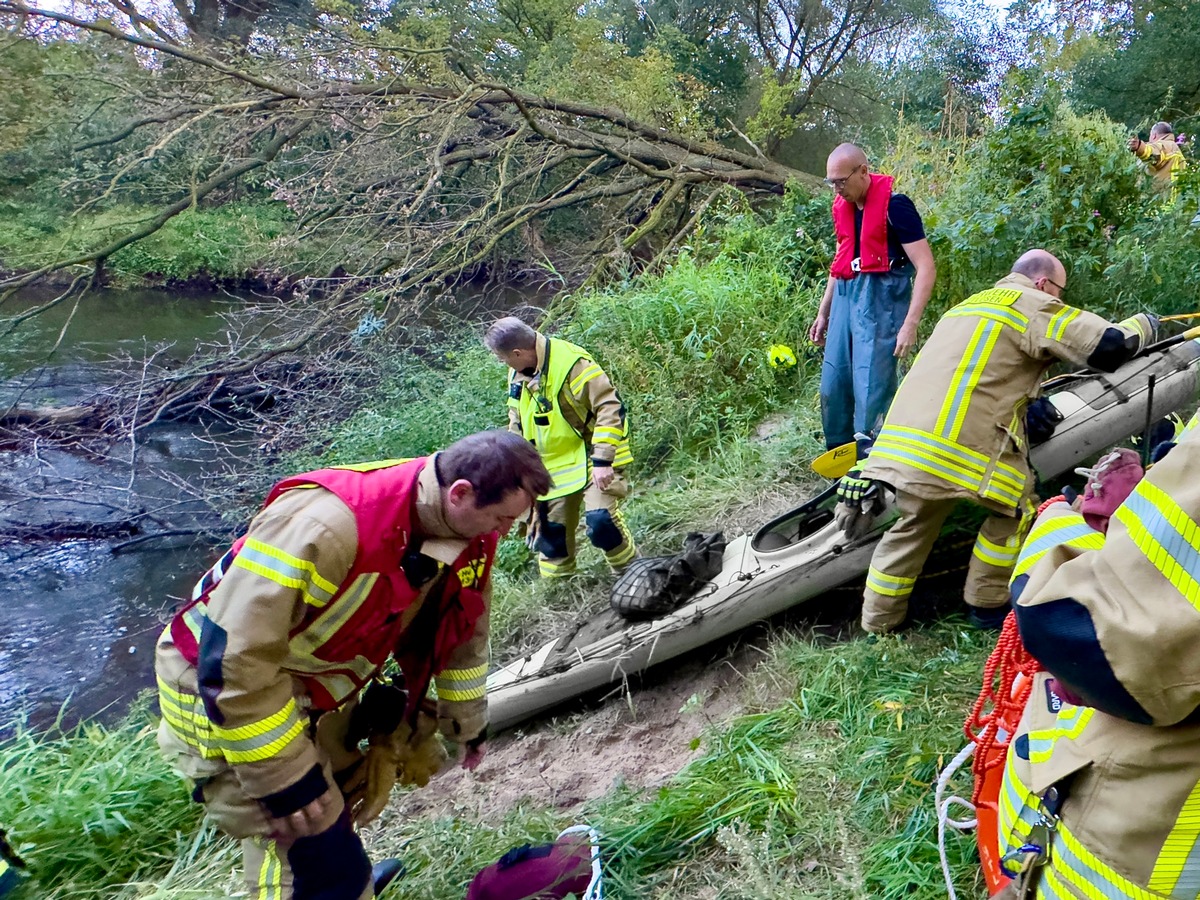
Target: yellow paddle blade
<point x="836" y="462"/>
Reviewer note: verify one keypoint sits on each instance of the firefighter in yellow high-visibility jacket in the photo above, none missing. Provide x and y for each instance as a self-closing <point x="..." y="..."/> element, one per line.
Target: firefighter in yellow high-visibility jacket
<point x="563" y="402"/>
<point x="956" y="430"/>
<point x="1101" y="789"/>
<point x="1163" y="158"/>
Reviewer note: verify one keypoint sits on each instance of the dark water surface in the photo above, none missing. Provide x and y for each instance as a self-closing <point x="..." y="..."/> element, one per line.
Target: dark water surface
<point x="82" y="615"/>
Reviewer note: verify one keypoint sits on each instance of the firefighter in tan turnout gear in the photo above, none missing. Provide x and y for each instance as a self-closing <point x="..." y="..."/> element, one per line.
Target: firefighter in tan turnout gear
<point x="956" y="431"/>
<point x="260" y="675"/>
<point x="562" y="401"/>
<point x="1101" y="789"/>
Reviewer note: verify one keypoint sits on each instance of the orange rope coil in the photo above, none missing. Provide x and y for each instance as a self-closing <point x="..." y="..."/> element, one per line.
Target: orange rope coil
<point x="998" y="707"/>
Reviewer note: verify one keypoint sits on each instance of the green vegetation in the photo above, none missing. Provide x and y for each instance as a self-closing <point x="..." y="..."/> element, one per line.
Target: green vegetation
<point x="824" y="794"/>
<point x="229" y="242"/>
<point x="824" y="791"/>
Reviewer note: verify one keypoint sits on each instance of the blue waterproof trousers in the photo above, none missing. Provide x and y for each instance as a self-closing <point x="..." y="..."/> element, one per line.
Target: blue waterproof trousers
<point x="858" y="376"/>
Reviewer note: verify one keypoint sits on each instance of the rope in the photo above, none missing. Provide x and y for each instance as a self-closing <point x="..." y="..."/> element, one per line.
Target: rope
<point x="595" y="888"/>
<point x="996" y="709"/>
<point x="1045" y="503"/>
<point x="943" y="804"/>
<point x="1003" y="707"/>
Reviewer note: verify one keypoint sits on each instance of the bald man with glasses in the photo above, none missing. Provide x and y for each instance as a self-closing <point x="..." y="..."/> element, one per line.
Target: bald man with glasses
<point x="880" y="280"/>
<point x="957" y="431"/>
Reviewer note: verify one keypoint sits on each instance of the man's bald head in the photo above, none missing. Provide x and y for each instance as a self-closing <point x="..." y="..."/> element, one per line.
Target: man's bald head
<point x="1042" y="268"/>
<point x="847" y="172"/>
<point x="847" y="155"/>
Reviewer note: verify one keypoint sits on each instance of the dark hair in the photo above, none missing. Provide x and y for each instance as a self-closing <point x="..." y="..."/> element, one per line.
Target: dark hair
<point x="496" y="463"/>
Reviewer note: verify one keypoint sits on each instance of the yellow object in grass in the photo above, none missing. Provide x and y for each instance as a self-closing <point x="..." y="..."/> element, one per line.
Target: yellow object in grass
<point x="780" y="356"/>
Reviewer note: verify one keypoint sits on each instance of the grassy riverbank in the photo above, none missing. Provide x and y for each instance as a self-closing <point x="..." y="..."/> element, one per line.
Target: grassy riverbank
<point x="821" y="787"/>
<point x="824" y="783"/>
<point x="823" y="794"/>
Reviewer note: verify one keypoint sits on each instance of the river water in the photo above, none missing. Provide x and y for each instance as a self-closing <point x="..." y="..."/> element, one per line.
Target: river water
<point x="82" y="616"/>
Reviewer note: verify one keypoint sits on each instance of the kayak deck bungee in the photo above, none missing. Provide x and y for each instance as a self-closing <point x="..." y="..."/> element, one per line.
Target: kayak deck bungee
<point x="802" y="554"/>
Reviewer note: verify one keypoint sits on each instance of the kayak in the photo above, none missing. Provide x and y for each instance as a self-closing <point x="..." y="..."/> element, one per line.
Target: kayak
<point x="802" y="554"/>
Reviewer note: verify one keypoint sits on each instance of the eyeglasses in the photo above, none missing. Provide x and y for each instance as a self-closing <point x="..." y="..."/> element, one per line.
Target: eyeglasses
<point x="838" y="183"/>
<point x="1061" y="287"/>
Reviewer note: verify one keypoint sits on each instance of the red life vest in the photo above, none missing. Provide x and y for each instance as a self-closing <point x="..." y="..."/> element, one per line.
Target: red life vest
<point x="872" y="241"/>
<point x="383" y="501"/>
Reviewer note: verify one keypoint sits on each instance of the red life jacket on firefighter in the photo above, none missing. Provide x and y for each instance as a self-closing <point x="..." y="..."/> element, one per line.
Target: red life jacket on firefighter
<point x="383" y="500"/>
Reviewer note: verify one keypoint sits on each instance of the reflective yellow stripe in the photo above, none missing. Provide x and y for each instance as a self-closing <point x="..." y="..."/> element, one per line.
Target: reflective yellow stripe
<point x="1177" y="869"/>
<point x="471" y="674"/>
<point x="185" y="715"/>
<point x="607" y="435"/>
<point x="950" y="462"/>
<point x="462" y="684"/>
<point x="270" y="872"/>
<point x="1009" y="317"/>
<point x="193" y="620"/>
<point x="1068" y="725"/>
<point x="1192" y="424"/>
<point x="620" y="556"/>
<point x="1057" y="326"/>
<point x="569" y="479"/>
<point x="286" y="570"/>
<point x="372" y="466"/>
<point x="1167" y="536"/>
<point x="1068" y="529"/>
<point x="993" y="554"/>
<point x="1136" y="325"/>
<point x="590" y="372"/>
<point x="263" y="739"/>
<point x="966" y="378"/>
<point x="1072" y="871"/>
<point x="457" y="696"/>
<point x="548" y="569"/>
<point x="307" y="642"/>
<point x="623" y="456"/>
<point x="889" y="585"/>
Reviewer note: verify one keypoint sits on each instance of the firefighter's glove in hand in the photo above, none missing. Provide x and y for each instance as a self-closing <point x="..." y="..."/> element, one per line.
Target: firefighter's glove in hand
<point x="862" y="500"/>
<point x="853" y="487"/>
<point x="370" y="787"/>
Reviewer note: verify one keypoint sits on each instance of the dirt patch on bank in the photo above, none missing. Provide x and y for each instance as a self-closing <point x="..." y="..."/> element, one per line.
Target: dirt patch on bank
<point x="640" y="736"/>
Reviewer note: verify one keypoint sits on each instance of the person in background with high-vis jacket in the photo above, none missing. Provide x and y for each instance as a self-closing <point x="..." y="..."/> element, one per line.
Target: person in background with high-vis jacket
<point x="1162" y="155"/>
<point x="956" y="431"/>
<point x="260" y="675"/>
<point x="1101" y="789"/>
<point x="561" y="401"/>
<point x="880" y="280"/>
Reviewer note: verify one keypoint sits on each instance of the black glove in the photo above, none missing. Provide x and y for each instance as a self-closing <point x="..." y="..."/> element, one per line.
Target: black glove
<point x="1041" y="418"/>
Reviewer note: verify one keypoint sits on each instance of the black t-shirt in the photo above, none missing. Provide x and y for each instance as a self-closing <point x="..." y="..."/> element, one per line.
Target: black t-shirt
<point x="904" y="227"/>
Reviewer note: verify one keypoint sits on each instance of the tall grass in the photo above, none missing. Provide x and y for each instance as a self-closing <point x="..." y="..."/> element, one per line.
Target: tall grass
<point x="96" y="812"/>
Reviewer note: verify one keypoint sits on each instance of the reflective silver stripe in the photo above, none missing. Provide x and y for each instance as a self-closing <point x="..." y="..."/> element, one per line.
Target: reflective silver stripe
<point x="305" y="644"/>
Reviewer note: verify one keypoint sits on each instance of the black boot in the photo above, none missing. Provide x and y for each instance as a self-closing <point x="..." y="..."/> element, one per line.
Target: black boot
<point x="988" y="618"/>
<point x="384" y="873"/>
